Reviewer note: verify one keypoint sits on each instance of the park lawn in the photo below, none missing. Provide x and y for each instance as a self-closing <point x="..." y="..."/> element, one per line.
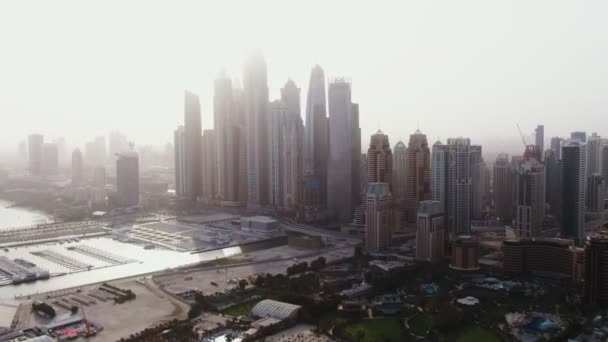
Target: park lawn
<point x="375" y="330"/>
<point x="478" y="334"/>
<point x="240" y="309"/>
<point x="420" y="324"/>
<point x="231" y="261"/>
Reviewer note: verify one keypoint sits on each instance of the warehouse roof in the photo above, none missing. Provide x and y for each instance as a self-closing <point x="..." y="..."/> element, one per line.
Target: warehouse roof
<point x="275" y="309"/>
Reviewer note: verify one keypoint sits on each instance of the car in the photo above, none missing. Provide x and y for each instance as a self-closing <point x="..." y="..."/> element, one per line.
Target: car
<point x="213" y="283"/>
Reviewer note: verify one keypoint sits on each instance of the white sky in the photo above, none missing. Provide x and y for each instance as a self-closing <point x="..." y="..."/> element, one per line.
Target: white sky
<point x="455" y="68"/>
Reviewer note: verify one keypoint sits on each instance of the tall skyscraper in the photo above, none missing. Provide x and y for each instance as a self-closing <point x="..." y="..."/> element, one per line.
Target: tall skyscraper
<point x="556" y="147"/>
<point x="99" y="176"/>
<point x="553" y="192"/>
<point x="222" y="121"/>
<point x="256" y="112"/>
<point x="50" y="159"/>
<point x="595" y="144"/>
<point x="378" y="216"/>
<point x="209" y="165"/>
<point x="95" y="151"/>
<point x="193" y="183"/>
<point x="343" y="192"/>
<point x="292" y="140"/>
<point x="503" y="191"/>
<point x="179" y="143"/>
<point x="539" y="134"/>
<point x="316" y="140"/>
<point x="430" y="232"/>
<point x="418" y="186"/>
<point x="34" y="148"/>
<point x="479" y="183"/>
<point x="580" y="136"/>
<point x="77" y="168"/>
<point x="596" y="271"/>
<point x="276" y="119"/>
<point x="529" y="198"/>
<point x="574" y="176"/>
<point x="596" y="193"/>
<point x="604" y="172"/>
<point x="127" y="179"/>
<point x="379" y="160"/>
<point x="399" y="170"/>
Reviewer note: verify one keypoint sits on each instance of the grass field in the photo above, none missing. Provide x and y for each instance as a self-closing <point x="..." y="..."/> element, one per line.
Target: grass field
<point x="240" y="309"/>
<point x="477" y="334"/>
<point x="420" y="324"/>
<point x="375" y="330"/>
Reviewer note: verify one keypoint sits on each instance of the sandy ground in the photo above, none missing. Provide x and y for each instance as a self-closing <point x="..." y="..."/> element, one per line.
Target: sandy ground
<point x="150" y="307"/>
<point x="202" y="279"/>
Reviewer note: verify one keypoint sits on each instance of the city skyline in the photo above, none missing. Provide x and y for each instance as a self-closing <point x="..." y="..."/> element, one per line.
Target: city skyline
<point x="487" y="104"/>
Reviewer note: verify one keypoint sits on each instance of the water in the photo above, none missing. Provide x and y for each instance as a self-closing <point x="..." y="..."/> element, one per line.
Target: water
<point x="541" y="324"/>
<point x="147" y="261"/>
<point x="15" y="216"/>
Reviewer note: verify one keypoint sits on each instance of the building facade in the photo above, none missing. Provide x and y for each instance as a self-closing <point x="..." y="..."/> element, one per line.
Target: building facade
<point x="596" y="271"/>
<point x="503" y="188"/>
<point x="127" y="179"/>
<point x="574" y="184"/>
<point x="378" y="216"/>
<point x="193" y="174"/>
<point x="418" y="186"/>
<point x="529" y="198"/>
<point x="430" y="232"/>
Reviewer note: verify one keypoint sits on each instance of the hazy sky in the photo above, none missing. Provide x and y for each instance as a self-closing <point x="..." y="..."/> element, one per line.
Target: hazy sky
<point x="453" y="68"/>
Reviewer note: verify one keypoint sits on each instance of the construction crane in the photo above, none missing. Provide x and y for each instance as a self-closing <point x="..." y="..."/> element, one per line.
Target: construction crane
<point x="87" y="327"/>
<point x="523" y="139"/>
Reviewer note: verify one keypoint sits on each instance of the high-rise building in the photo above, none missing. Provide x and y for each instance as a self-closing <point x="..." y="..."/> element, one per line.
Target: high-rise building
<point x="553" y="192"/>
<point x="574" y="175"/>
<point x="604" y="172"/>
<point x="343" y="180"/>
<point x="539" y="135"/>
<point x="50" y="159"/>
<point x="596" y="193"/>
<point x="453" y="166"/>
<point x="529" y="198"/>
<point x="292" y="140"/>
<point x="380" y="160"/>
<point x="596" y="271"/>
<point x="34" y="146"/>
<point x="378" y="216"/>
<point x="77" y="168"/>
<point x="479" y="183"/>
<point x="256" y="111"/>
<point x="209" y="165"/>
<point x="193" y="182"/>
<point x="430" y="233"/>
<point x="399" y="170"/>
<point x="276" y="119"/>
<point x="580" y="136"/>
<point x="595" y="145"/>
<point x="556" y="147"/>
<point x="418" y="186"/>
<point x="179" y="143"/>
<point x="95" y="151"/>
<point x="465" y="253"/>
<point x="127" y="179"/>
<point x="503" y="191"/>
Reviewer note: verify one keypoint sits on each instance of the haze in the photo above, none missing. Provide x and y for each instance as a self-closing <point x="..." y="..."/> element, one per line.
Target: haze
<point x="467" y="68"/>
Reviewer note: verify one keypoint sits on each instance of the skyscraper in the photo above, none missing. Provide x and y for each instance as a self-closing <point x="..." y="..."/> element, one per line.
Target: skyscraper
<point x="539" y="134"/>
<point x="179" y="143"/>
<point x="605" y="161"/>
<point x="418" y="186"/>
<point x="77" y="168"/>
<point x="574" y="175"/>
<point x="596" y="193"/>
<point x="118" y="143"/>
<point x="595" y="144"/>
<point x="553" y="192"/>
<point x="596" y="271"/>
<point x="50" y="159"/>
<point x="95" y="151"/>
<point x="503" y="191"/>
<point x="292" y="140"/>
<point x="529" y="200"/>
<point x="344" y="152"/>
<point x="316" y="140"/>
<point x="222" y="121"/>
<point x="479" y="182"/>
<point x="256" y="112"/>
<point x="276" y="119"/>
<point x="127" y="179"/>
<point x="379" y="160"/>
<point x="430" y="232"/>
<point x="399" y="170"/>
<point x="193" y="183"/>
<point x="34" y="149"/>
<point x="378" y="216"/>
<point x="556" y="147"/>
<point x="580" y="136"/>
<point x="209" y="165"/>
